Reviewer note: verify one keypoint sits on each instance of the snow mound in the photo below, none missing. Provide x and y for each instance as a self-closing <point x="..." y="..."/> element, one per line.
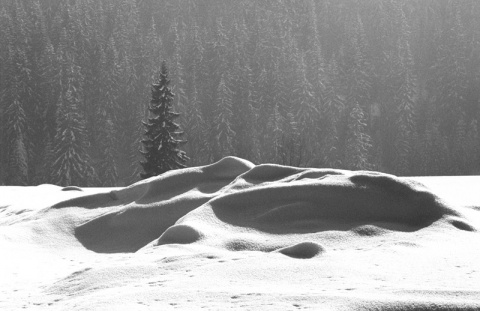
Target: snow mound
<point x="235" y="205"/>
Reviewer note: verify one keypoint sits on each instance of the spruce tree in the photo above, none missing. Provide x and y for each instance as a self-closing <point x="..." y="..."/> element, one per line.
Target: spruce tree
<point x="160" y="145"/>
<point x="70" y="160"/>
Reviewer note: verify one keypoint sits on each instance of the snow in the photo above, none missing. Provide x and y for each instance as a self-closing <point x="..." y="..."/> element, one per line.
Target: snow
<point x="233" y="235"/>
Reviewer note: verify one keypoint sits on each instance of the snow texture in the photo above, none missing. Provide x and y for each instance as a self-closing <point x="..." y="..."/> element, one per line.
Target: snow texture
<point x="234" y="235"/>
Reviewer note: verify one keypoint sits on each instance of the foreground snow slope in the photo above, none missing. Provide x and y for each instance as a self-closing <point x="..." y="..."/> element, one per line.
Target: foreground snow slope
<point x="233" y="235"/>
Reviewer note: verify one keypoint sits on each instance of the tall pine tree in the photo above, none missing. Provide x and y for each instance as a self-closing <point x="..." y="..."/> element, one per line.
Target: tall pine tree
<point x="160" y="146"/>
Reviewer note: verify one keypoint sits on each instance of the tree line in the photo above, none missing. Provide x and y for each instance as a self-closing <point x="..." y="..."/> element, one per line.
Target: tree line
<point x="387" y="85"/>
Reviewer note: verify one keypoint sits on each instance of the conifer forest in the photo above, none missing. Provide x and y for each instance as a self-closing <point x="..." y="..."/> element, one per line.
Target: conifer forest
<point x="386" y="85"/>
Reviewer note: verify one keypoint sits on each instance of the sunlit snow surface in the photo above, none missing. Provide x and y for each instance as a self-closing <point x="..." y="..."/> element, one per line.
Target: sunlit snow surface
<point x="233" y="235"/>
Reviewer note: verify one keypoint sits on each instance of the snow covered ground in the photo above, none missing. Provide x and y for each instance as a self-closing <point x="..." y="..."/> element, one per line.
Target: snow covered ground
<point x="233" y="235"/>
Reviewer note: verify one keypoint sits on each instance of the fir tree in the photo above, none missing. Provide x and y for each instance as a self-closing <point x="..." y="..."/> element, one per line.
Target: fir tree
<point x="108" y="165"/>
<point x="333" y="109"/>
<point x="194" y="125"/>
<point x="71" y="164"/>
<point x="160" y="146"/>
<point x="224" y="134"/>
<point x="306" y="109"/>
<point x="459" y="150"/>
<point x="358" y="141"/>
<point x="404" y="99"/>
<point x="17" y="155"/>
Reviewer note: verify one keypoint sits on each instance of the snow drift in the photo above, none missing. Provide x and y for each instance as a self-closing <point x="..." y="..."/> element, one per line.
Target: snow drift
<point x="392" y="241"/>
